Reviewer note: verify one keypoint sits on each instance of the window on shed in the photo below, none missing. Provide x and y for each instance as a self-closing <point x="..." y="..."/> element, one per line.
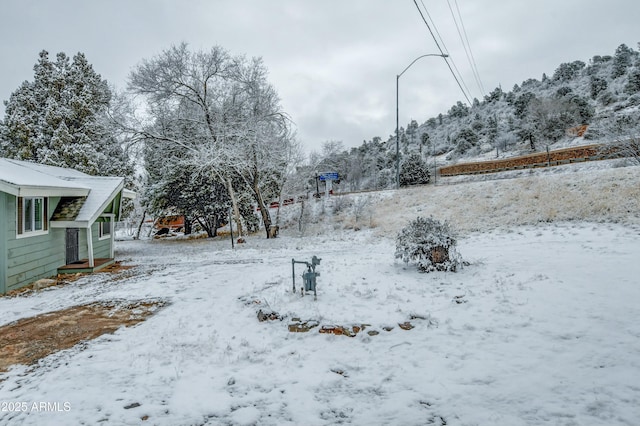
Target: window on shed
<point x="28" y="215"/>
<point x="105" y="228"/>
<point x="32" y="213"/>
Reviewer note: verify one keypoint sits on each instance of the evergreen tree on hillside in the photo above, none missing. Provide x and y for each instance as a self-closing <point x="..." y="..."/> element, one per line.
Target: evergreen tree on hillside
<point x="521" y="104"/>
<point x="597" y="86"/>
<point x="412" y="130"/>
<point x="633" y="84"/>
<point x="414" y="171"/>
<point x="459" y="110"/>
<point x="492" y="130"/>
<point x="621" y="60"/>
<point x="494" y="96"/>
<point x="465" y="140"/>
<point x="568" y="71"/>
<point x="425" y="142"/>
<point x="60" y="119"/>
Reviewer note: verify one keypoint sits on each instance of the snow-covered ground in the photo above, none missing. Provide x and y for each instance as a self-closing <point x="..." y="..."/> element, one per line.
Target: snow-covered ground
<point x="540" y="328"/>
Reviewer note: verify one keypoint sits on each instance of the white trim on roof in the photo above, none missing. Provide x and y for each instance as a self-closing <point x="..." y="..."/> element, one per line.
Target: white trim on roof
<point x="53" y="192"/>
<point x="127" y="193"/>
<point x="69" y="224"/>
<point x="9" y="188"/>
<point x="43" y="191"/>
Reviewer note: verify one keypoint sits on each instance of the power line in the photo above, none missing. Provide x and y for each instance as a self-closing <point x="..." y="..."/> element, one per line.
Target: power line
<point x="435" y="27"/>
<point x="441" y="51"/>
<point x="469" y="52"/>
<point x="464" y="45"/>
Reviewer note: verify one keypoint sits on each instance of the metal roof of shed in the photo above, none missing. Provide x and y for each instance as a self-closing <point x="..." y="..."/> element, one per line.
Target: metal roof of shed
<point x="24" y="179"/>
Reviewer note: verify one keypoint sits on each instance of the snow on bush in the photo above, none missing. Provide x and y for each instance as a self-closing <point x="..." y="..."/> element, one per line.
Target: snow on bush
<point x="430" y="244"/>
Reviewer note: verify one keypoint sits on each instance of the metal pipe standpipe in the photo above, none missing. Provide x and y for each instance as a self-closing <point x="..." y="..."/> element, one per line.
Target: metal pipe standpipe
<point x="309" y="276"/>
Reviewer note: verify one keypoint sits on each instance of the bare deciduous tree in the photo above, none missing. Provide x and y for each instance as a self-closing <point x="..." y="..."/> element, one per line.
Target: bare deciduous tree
<point x="222" y="114"/>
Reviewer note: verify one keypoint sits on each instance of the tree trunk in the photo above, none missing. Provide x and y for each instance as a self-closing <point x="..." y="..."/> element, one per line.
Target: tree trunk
<point x="216" y="225"/>
<point x="264" y="212"/>
<point x="144" y="214"/>
<point x="187" y="225"/>
<point x="301" y="218"/>
<point x="151" y="227"/>
<point x="236" y="209"/>
<point x="210" y="225"/>
<point x="278" y="211"/>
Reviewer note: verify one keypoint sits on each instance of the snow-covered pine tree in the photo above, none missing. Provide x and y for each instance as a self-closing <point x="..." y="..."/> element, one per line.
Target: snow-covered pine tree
<point x="414" y="171"/>
<point x="633" y="83"/>
<point x="60" y="118"/>
<point x="621" y="60"/>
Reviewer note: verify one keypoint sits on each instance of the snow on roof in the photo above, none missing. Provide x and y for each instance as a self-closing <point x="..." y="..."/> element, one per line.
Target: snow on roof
<point x="60" y="172"/>
<point x="103" y="190"/>
<point x="23" y="178"/>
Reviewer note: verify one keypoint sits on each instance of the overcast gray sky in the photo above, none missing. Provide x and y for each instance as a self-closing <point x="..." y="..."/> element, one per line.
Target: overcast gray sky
<point x="333" y="62"/>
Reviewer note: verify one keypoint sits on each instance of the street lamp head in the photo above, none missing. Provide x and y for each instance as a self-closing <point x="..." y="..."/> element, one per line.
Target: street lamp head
<point x="442" y="55"/>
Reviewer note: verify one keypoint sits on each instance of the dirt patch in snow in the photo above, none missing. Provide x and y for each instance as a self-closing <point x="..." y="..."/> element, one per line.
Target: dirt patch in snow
<point x="29" y="339"/>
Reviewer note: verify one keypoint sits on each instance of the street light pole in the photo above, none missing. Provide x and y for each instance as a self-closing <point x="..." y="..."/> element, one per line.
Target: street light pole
<point x="398" y="114"/>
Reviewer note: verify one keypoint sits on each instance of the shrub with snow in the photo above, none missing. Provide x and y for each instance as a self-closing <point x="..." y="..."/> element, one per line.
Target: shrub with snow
<point x="430" y="244"/>
<point x="414" y="171"/>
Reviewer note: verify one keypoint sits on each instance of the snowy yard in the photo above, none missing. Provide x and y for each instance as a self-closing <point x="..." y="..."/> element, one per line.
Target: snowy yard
<point x="540" y="328"/>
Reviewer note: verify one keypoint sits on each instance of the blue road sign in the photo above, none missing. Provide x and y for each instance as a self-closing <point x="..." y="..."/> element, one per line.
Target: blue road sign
<point x="329" y="176"/>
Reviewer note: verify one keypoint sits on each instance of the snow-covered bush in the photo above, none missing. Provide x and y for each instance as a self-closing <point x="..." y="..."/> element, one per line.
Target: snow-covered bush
<point x="430" y="244"/>
<point x="361" y="207"/>
<point x="340" y="204"/>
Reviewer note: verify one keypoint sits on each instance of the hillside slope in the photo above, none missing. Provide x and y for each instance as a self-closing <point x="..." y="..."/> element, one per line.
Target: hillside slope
<point x="577" y="193"/>
<point x="595" y="192"/>
<point x="579" y="103"/>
